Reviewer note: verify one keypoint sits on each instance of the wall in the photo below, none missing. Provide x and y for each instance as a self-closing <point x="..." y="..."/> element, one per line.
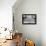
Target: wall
<point x="32" y="32"/>
<point x="6" y="13"/>
<point x="43" y="22"/>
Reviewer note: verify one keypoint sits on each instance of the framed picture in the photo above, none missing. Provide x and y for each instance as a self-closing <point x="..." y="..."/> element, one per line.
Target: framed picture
<point x="29" y="18"/>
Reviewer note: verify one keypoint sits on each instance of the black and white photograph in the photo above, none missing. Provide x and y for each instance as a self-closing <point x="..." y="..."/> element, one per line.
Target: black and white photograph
<point x="28" y="18"/>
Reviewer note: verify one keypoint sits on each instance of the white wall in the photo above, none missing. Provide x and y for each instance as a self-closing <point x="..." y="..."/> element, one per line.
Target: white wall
<point x="6" y="13"/>
<point x="43" y="22"/>
<point x="30" y="31"/>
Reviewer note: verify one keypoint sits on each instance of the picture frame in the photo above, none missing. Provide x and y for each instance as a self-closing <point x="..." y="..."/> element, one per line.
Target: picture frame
<point x="29" y="18"/>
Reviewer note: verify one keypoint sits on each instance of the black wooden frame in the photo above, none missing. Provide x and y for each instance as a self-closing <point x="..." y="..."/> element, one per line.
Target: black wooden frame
<point x="30" y="15"/>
